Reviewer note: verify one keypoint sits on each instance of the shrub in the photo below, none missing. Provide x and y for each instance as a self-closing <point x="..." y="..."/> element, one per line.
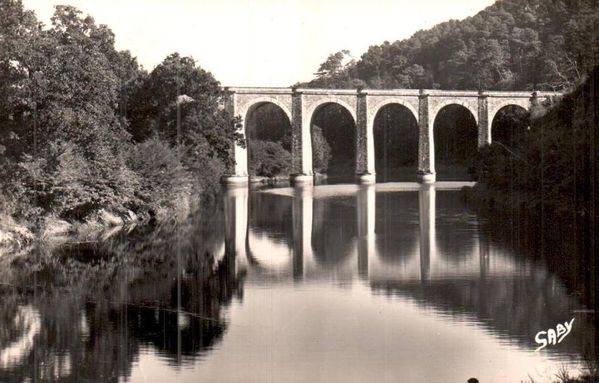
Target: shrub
<point x="67" y="184"/>
<point x="268" y="158"/>
<point x="163" y="179"/>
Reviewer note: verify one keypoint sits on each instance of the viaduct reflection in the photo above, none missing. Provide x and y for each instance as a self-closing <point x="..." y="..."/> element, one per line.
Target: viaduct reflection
<point x="393" y="236"/>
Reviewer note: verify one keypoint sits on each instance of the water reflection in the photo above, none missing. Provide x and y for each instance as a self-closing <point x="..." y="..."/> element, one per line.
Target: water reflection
<point x="86" y="312"/>
<point x="331" y="283"/>
<point x="366" y="228"/>
<point x="390" y="235"/>
<point x="425" y="246"/>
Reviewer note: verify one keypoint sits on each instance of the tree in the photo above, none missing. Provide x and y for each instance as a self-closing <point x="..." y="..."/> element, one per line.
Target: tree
<point x="333" y="64"/>
<point x="268" y="159"/>
<point x="19" y="36"/>
<point x="179" y="89"/>
<point x="78" y="163"/>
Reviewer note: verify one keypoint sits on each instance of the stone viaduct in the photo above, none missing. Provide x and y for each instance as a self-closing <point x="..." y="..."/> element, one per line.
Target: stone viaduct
<point x="363" y="104"/>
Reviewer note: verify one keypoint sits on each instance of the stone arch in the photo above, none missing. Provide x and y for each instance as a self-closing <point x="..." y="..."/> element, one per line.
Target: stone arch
<point x="267" y="127"/>
<point x="495" y="107"/>
<point x="395" y="140"/>
<point x="455" y="140"/>
<point x="472" y="108"/>
<point x="246" y="108"/>
<point x="505" y="130"/>
<point x="372" y="112"/>
<point x="329" y="100"/>
<point x="336" y="159"/>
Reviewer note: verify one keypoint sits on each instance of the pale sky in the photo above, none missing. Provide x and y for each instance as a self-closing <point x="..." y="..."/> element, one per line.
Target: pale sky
<point x="260" y="42"/>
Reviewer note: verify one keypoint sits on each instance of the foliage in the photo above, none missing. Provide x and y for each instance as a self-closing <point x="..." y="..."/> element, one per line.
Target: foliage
<point x="551" y="163"/>
<point x="69" y="139"/>
<point x="178" y="88"/>
<point x="321" y="151"/>
<point x="162" y="175"/>
<point x="86" y="128"/>
<point x="73" y="187"/>
<point x="268" y="159"/>
<point x="513" y="44"/>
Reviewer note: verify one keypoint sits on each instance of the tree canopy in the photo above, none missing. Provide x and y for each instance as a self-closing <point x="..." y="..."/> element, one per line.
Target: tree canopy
<point x="513" y="44"/>
<point x="76" y="114"/>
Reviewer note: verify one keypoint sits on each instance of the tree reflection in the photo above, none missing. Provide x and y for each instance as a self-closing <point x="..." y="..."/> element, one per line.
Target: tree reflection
<point x="95" y="308"/>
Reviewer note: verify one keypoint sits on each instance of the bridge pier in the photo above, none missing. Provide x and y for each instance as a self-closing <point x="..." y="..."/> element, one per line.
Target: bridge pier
<point x="237" y="174"/>
<point x="301" y="143"/>
<point x="484" y="125"/>
<point x="365" y="170"/>
<point x="426" y="142"/>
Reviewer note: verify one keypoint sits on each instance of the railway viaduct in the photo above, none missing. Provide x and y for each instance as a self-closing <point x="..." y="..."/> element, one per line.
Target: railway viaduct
<point x="300" y="105"/>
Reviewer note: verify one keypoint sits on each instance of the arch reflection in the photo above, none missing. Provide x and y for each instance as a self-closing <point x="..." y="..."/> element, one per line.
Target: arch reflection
<point x="335" y="234"/>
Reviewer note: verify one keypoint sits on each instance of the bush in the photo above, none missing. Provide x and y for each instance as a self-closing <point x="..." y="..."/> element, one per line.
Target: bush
<point x="163" y="179"/>
<point x="67" y="184"/>
<point x="268" y="159"/>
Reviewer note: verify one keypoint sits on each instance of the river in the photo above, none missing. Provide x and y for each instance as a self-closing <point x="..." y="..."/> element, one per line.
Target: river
<point x="333" y="283"/>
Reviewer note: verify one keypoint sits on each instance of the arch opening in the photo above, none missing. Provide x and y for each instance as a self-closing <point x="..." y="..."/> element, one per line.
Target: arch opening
<point x="333" y="134"/>
<point x="395" y="143"/>
<point x="268" y="132"/>
<point x="509" y="125"/>
<point x="456" y="142"/>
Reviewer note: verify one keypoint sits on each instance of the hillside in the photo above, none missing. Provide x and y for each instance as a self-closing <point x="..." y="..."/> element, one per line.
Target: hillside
<point x="513" y="44"/>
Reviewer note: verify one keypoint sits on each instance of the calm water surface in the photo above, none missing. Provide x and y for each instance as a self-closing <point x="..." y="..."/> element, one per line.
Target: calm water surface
<point x="327" y="284"/>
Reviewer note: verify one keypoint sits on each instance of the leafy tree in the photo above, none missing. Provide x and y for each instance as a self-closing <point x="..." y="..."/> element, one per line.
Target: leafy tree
<point x="338" y="71"/>
<point x="71" y="161"/>
<point x="178" y="88"/>
<point x="333" y="64"/>
<point x="162" y="175"/>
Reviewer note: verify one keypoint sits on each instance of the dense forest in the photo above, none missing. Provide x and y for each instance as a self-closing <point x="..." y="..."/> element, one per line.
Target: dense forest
<point x="513" y="44"/>
<point x="89" y="135"/>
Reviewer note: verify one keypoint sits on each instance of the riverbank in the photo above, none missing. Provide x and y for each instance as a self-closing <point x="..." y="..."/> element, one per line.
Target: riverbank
<point x="101" y="225"/>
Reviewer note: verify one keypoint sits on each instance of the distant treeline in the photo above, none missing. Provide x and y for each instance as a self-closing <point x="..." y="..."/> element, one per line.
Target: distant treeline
<point x="513" y="44"/>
